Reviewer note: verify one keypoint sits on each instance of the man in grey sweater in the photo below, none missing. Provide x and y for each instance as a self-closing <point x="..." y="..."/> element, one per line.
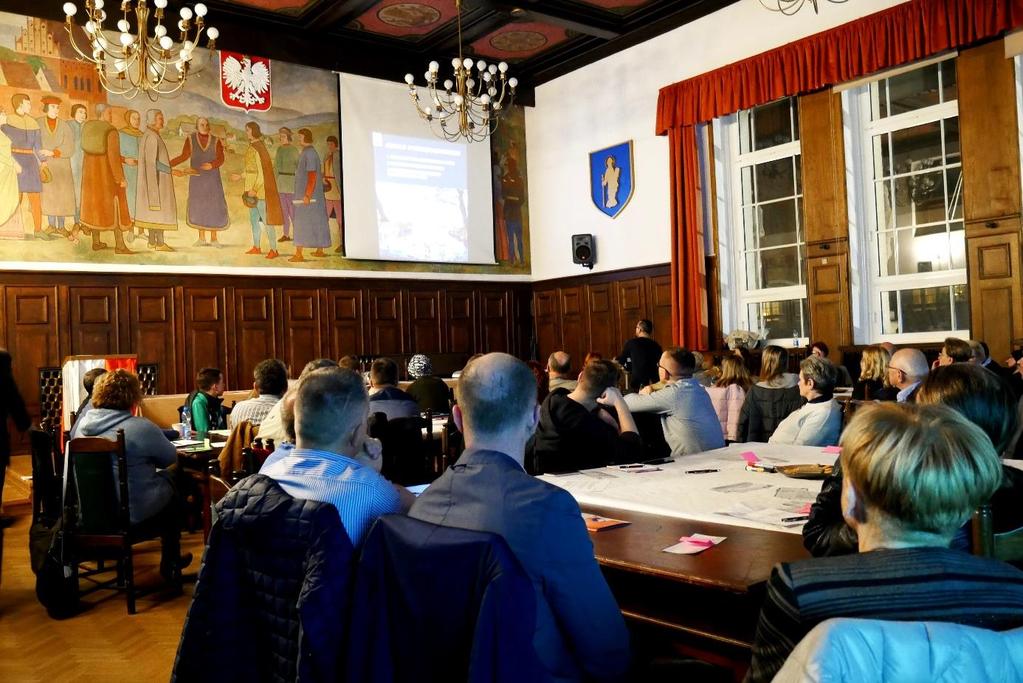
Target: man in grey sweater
<point x="687" y="414"/>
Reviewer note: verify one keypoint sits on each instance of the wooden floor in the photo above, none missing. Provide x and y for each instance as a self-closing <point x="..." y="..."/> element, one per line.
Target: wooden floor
<point x="101" y="644"/>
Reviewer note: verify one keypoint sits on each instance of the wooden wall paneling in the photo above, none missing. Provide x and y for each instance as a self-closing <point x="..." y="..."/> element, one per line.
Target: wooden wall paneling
<point x="658" y="290"/>
<point x="33" y="336"/>
<point x="303" y="335"/>
<point x="206" y="331"/>
<point x="155" y="338"/>
<point x="547" y="322"/>
<point x="601" y="319"/>
<point x="253" y="336"/>
<point x="461" y="321"/>
<point x="828" y="292"/>
<point x="3" y="316"/>
<point x="94" y="324"/>
<point x="996" y="297"/>
<point x="386" y="321"/>
<point x="825" y="213"/>
<point x="988" y="133"/>
<point x="495" y="320"/>
<point x="574" y="325"/>
<point x="346" y="322"/>
<point x="630" y="303"/>
<point x="426" y="320"/>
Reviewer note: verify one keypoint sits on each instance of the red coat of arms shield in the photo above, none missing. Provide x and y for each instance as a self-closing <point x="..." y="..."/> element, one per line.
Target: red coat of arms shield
<point x="245" y="81"/>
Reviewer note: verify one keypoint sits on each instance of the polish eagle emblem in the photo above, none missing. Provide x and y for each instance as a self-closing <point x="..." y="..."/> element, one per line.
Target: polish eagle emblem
<point x="245" y="81"/>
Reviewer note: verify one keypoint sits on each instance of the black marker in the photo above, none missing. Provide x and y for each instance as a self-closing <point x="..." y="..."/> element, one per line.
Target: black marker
<point x="795" y="519"/>
<point x="701" y="471"/>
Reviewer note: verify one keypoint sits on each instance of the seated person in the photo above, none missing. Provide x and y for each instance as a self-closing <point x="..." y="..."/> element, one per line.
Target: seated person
<point x="906" y="370"/>
<point x="580" y="633"/>
<point x="819" y="421"/>
<point x="905" y="513"/>
<point x="152" y="497"/>
<point x="575" y="432"/>
<point x="328" y="462"/>
<point x="873" y="382"/>
<point x="770" y="400"/>
<point x="687" y="414"/>
<point x="428" y="390"/>
<point x="559" y="371"/>
<point x="385" y="396"/>
<point x="88" y="382"/>
<point x="954" y="350"/>
<point x="819" y="348"/>
<point x="728" y="392"/>
<point x="982" y="398"/>
<point x="269" y="382"/>
<point x="272" y="427"/>
<point x="205" y="403"/>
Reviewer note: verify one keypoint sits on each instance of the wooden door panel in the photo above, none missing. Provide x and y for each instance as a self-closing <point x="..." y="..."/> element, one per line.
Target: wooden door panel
<point x="206" y="330"/>
<point x="386" y="322"/>
<point x="301" y="318"/>
<point x="601" y="319"/>
<point x="574" y="338"/>
<point x="153" y="335"/>
<point x="33" y="337"/>
<point x="828" y="293"/>
<point x="495" y="318"/>
<point x="425" y="321"/>
<point x="823" y="164"/>
<point x="461" y="313"/>
<point x="546" y="322"/>
<point x="346" y="322"/>
<point x="630" y="299"/>
<point x="996" y="296"/>
<point x="94" y="317"/>
<point x="255" y="333"/>
<point x="659" y="305"/>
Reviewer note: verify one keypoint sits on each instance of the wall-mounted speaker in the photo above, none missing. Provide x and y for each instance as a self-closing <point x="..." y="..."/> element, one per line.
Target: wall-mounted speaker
<point x="584" y="250"/>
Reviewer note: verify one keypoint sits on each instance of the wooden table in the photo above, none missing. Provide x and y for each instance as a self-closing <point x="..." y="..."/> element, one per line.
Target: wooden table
<point x="194" y="463"/>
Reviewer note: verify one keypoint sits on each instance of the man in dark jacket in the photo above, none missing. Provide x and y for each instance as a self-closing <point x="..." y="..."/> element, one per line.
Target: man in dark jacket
<point x="640" y="356"/>
<point x="13" y="406"/>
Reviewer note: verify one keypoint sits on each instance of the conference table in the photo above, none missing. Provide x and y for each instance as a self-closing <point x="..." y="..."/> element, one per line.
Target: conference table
<point x="704" y="605"/>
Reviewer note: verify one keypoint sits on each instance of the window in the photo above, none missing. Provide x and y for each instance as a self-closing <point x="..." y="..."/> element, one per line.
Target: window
<point x="903" y="132"/>
<point x="762" y="238"/>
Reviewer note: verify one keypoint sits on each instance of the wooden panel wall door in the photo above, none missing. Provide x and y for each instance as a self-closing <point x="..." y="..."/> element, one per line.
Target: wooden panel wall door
<point x="425" y="321"/>
<point x="301" y="320"/>
<point x="658" y="291"/>
<point x="601" y="320"/>
<point x="461" y="315"/>
<point x="574" y="325"/>
<point x="996" y="297"/>
<point x="496" y="321"/>
<point x="206" y="331"/>
<point x="33" y="338"/>
<point x="154" y="336"/>
<point x="822" y="154"/>
<point x="547" y="323"/>
<point x="386" y="322"/>
<point x="630" y="299"/>
<point x="253" y="336"/>
<point x="94" y="320"/>
<point x="345" y="322"/>
<point x="828" y="292"/>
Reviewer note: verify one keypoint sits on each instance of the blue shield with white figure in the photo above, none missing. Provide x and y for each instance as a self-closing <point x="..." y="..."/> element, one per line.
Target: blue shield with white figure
<point x="611" y="181"/>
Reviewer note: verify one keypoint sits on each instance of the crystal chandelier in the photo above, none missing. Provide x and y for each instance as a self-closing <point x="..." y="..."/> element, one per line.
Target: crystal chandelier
<point x="790" y="7"/>
<point x="142" y="63"/>
<point x="469" y="106"/>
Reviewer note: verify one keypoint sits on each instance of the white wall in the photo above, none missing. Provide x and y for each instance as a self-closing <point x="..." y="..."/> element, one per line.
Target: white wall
<point x="615" y="100"/>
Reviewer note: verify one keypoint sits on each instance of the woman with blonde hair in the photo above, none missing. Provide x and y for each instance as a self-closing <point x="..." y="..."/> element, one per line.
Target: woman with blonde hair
<point x="873" y="382"/>
<point x="770" y="400"/>
<point x="728" y="393"/>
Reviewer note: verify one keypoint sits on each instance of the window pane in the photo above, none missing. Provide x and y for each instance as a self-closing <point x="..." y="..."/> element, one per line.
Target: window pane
<point x="780" y="267"/>
<point x="961" y="306"/>
<point x="948" y="80"/>
<point x="951" y="128"/>
<point x="957" y="245"/>
<point x="746" y="179"/>
<point x="778" y="223"/>
<point x="924" y="310"/>
<point x="745" y="131"/>
<point x="913" y="90"/>
<point x="886" y="252"/>
<point x="923" y="253"/>
<point x="798" y="161"/>
<point x="954" y="182"/>
<point x="772" y="124"/>
<point x="917" y="148"/>
<point x="775" y="179"/>
<point x="920" y="199"/>
<point x="882" y="158"/>
<point x="779" y="319"/>
<point x="750" y="231"/>
<point x="883" y="202"/>
<point x="753" y="271"/>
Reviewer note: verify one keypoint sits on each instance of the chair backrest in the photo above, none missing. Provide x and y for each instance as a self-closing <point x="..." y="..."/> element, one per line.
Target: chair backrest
<point x="406" y="452"/>
<point x="51" y="395"/>
<point x="46" y="492"/>
<point x="1007" y="546"/>
<point x="434" y="603"/>
<point x="149" y="377"/>
<point x="100" y="498"/>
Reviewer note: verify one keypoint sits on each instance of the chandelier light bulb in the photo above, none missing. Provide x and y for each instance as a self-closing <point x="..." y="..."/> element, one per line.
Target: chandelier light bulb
<point x="90" y="27"/>
<point x="159" y="30"/>
<point x="467" y="63"/>
<point x="101" y="15"/>
<point x="484" y="99"/>
<point x="471" y="83"/>
<point x="213" y="33"/>
<point x="503" y="67"/>
<point x="70" y="9"/>
<point x="434" y="67"/>
<point x="166" y="43"/>
<point x="126" y="39"/>
<point x="182" y="26"/>
<point x="497" y="105"/>
<point x="97" y="4"/>
<point x="513" y="82"/>
<point x="492" y="91"/>
<point x="481" y="66"/>
<point x="200" y="10"/>
<point x="410" y="79"/>
<point x="188" y="46"/>
<point x="486" y="76"/>
<point x="448" y="84"/>
<point x="456" y="62"/>
<point x="492" y="68"/>
<point x="427" y="75"/>
<point x="123" y="26"/>
<point x="458" y="99"/>
<point x="160" y="4"/>
<point x="185" y="13"/>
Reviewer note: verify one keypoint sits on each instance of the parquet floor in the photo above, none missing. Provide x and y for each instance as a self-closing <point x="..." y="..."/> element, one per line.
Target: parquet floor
<point x="102" y="644"/>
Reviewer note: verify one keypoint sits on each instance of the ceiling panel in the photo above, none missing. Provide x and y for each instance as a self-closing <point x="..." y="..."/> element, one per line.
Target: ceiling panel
<point x="405" y="19"/>
<point x="518" y="41"/>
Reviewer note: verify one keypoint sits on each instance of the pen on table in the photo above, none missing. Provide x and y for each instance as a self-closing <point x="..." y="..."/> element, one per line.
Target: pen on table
<point x="629" y="467"/>
<point x="802" y="518"/>
<point x="701" y="471"/>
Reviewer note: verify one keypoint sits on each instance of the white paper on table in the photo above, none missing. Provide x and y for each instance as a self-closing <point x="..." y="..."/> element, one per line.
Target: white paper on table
<point x="740" y="487"/>
<point x="687" y="548"/>
<point x="792" y="493"/>
<point x="764" y="515"/>
<point x="186" y="442"/>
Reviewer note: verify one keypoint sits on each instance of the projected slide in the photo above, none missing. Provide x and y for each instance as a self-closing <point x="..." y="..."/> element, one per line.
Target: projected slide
<point x="421" y="198"/>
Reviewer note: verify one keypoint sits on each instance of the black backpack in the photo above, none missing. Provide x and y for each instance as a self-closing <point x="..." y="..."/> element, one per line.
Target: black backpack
<point x="53" y="562"/>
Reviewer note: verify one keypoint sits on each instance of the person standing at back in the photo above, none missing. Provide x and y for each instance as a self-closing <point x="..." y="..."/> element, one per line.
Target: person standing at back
<point x="640" y="356"/>
<point x="580" y="633"/>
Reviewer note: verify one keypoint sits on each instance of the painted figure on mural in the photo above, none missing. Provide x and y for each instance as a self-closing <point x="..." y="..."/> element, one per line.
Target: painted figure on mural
<point x="286" y="161"/>
<point x="609" y="180"/>
<point x="59" y="190"/>
<point x="207" y="205"/>
<point x="513" y="191"/>
<point x="9" y="170"/>
<point x="311" y="227"/>
<point x="23" y="130"/>
<point x="130" y="138"/>
<point x="260" y="193"/>
<point x="500" y="233"/>
<point x="79" y="113"/>
<point x="332" y="190"/>
<point x="156" y="208"/>
<point x="104" y="202"/>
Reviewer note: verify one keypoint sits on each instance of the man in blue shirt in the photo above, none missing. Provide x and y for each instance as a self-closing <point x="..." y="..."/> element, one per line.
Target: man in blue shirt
<point x="329" y="463"/>
<point x="580" y="633"/>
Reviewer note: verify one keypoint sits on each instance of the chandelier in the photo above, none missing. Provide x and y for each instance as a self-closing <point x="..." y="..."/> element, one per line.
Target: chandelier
<point x="790" y="7"/>
<point x="468" y="107"/>
<point x="142" y="63"/>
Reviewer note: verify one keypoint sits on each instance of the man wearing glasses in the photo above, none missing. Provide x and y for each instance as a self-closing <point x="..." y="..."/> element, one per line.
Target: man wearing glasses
<point x="906" y="370"/>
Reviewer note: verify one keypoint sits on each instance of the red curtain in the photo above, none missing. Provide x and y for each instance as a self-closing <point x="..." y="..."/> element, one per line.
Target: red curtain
<point x="895" y="36"/>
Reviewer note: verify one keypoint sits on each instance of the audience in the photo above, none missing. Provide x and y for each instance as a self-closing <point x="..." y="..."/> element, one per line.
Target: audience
<point x="728" y="394"/>
<point x="575" y="432"/>
<point x="954" y="351"/>
<point x="819" y="421"/>
<point x="559" y="370"/>
<point x="270" y="381"/>
<point x="580" y="633"/>
<point x="844" y="379"/>
<point x="687" y="415"/>
<point x="429" y="391"/>
<point x="88" y="383"/>
<point x="906" y="370"/>
<point x="152" y="495"/>
<point x="592" y="355"/>
<point x="873" y="381"/>
<point x="12" y="406"/>
<point x="914" y="475"/>
<point x="274" y="427"/>
<point x="385" y="396"/>
<point x="770" y="400"/>
<point x="350" y="363"/>
<point x="639" y="356"/>
<point x="205" y="402"/>
<point x="329" y="463"/>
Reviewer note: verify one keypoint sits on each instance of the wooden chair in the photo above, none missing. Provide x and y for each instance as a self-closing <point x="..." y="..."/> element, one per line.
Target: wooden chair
<point x="1006" y="546"/>
<point x="408" y="456"/>
<point x="101" y="527"/>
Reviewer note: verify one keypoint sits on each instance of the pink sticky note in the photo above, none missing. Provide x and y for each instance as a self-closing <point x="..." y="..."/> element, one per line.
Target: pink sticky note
<point x="750" y="457"/>
<point x="697" y="541"/>
<point x="837" y="450"/>
<point x="805" y="510"/>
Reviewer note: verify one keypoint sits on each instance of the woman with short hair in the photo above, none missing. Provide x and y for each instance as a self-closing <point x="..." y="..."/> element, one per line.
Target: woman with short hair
<point x="819" y="421"/>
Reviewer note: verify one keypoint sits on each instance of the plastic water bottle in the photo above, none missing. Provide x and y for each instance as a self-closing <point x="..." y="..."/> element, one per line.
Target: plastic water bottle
<point x="186" y="419"/>
<point x="795" y="339"/>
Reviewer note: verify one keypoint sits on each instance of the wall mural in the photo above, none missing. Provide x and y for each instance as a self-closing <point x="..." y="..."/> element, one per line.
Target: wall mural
<point x="91" y="179"/>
